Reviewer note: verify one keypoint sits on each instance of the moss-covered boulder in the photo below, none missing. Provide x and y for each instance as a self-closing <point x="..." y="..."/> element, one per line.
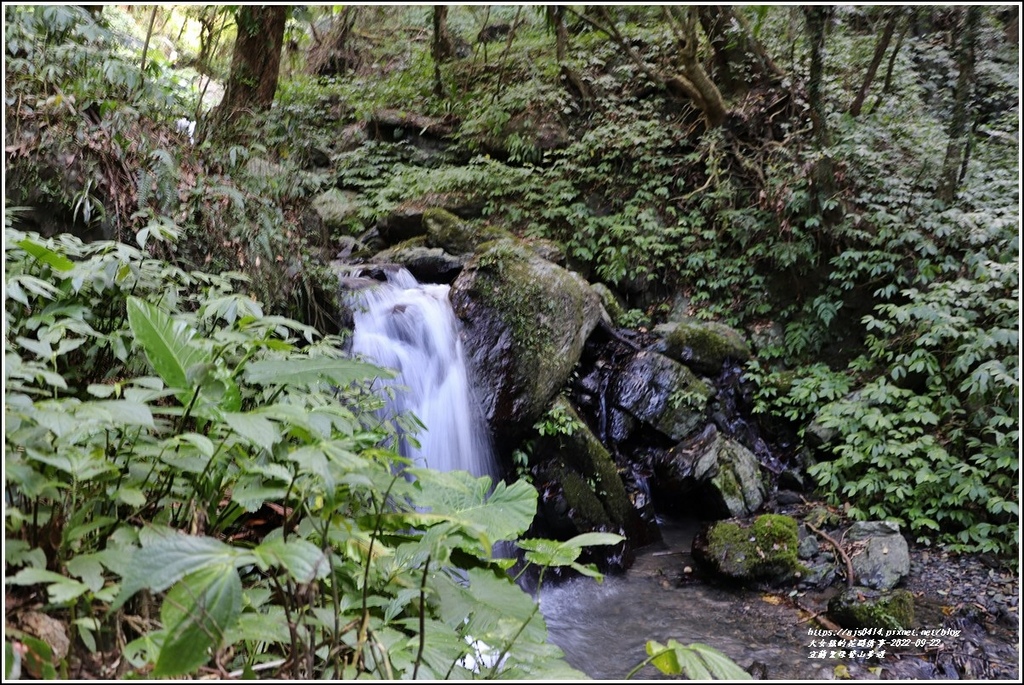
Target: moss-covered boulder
<point x="703" y="346"/>
<point x="763" y="550"/>
<point x="456" y="236"/>
<point x="525" y="321"/>
<point x="579" y="486"/>
<point x="612" y="303"/>
<point x="711" y="475"/>
<point x="339" y="210"/>
<point x="862" y="607"/>
<point x="662" y="393"/>
<point x="406" y="220"/>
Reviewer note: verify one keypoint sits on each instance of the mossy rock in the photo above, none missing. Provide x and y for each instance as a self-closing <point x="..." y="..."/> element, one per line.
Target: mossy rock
<point x="427" y="264"/>
<point x="703" y="346"/>
<point x="525" y="321"/>
<point x="862" y="607"/>
<point x="611" y="302"/>
<point x="456" y="236"/>
<point x="339" y="210"/>
<point x="762" y="550"/>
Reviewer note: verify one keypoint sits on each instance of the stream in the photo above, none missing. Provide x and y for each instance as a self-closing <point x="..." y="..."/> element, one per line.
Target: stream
<point x="603" y="628"/>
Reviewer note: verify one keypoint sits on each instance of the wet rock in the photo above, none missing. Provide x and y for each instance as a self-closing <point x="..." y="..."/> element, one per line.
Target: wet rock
<point x="880" y="554"/>
<point x="862" y="607"/>
<point x="716" y="473"/>
<point x="762" y="550"/>
<point x="703" y="346"/>
<point x="612" y="303"/>
<point x="662" y="393"/>
<point x="427" y="264"/>
<point x="525" y="321"/>
<point x="591" y="496"/>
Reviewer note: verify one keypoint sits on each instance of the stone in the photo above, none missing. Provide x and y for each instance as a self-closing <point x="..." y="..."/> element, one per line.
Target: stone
<point x="762" y="550"/>
<point x="863" y="607"/>
<point x="339" y="210"/>
<point x="427" y="264"/>
<point x="612" y="303"/>
<point x="525" y="321"/>
<point x="49" y="630"/>
<point x="704" y="346"/>
<point x="715" y="473"/>
<point x="880" y="554"/>
<point x="405" y="221"/>
<point x="661" y="393"/>
<point x="579" y="484"/>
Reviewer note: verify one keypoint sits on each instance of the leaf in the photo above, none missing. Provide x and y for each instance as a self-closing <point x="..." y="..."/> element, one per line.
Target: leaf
<point x="696" y="661"/>
<point x="301" y="558"/>
<point x="459" y="497"/>
<point x="46" y="255"/>
<point x="196" y="614"/>
<point x="255" y="429"/>
<point x="340" y="372"/>
<point x="553" y="553"/>
<point x="60" y="588"/>
<point x="168" y="345"/>
<point x="167" y="557"/>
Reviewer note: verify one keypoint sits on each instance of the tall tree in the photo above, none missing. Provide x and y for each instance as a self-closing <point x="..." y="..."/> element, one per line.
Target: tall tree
<point x="817" y="17"/>
<point x="255" y="61"/>
<point x="739" y="60"/>
<point x="881" y="45"/>
<point x="442" y="47"/>
<point x="958" y="148"/>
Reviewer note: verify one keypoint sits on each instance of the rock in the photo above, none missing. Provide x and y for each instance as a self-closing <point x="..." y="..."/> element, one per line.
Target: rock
<point x="703" y="346"/>
<point x="427" y="264"/>
<point x="591" y="496"/>
<point x="611" y="302"/>
<point x="525" y="321"/>
<point x="550" y="250"/>
<point x="455" y="236"/>
<point x="339" y="210"/>
<point x="406" y="220"/>
<point x="764" y="550"/>
<point x="862" y="607"/>
<point x="661" y="393"/>
<point x="49" y="630"/>
<point x="715" y="473"/>
<point x="808" y="544"/>
<point x="880" y="554"/>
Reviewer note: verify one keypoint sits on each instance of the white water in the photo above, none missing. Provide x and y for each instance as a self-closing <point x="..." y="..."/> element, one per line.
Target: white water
<point x="411" y="328"/>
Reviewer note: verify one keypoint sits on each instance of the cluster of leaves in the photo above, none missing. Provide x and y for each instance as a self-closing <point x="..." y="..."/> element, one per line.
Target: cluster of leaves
<point x="199" y="485"/>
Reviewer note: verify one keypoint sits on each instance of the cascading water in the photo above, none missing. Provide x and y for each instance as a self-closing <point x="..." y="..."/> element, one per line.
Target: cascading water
<point x="410" y="327"/>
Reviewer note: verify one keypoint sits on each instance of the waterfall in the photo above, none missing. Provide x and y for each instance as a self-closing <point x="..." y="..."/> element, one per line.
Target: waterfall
<point x="410" y="327"/>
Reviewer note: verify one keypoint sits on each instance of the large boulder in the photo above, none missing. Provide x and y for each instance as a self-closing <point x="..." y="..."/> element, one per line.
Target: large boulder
<point x="703" y="346"/>
<point x="713" y="473"/>
<point x="764" y="550"/>
<point x="880" y="554"/>
<point x="662" y="393"/>
<point x="525" y="321"/>
<point x="455" y="236"/>
<point x="405" y="221"/>
<point x="579" y="485"/>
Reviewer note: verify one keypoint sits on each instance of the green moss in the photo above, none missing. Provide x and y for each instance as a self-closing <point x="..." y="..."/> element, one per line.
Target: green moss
<point x="706" y="346"/>
<point x="765" y="550"/>
<point x="865" y="608"/>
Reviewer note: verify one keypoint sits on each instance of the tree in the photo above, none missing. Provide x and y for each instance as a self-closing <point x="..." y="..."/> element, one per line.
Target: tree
<point x="442" y="47"/>
<point x="255" y="62"/>
<point x="817" y="17"/>
<point x="740" y="61"/>
<point x="958" y="149"/>
<point x="881" y="45"/>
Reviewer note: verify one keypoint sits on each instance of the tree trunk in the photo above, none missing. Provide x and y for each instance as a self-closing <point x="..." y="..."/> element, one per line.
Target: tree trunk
<point x="959" y="139"/>
<point x="881" y="45"/>
<point x="817" y="21"/>
<point x="255" y="62"/>
<point x="887" y="81"/>
<point x="442" y="49"/>
<point x="740" y="62"/>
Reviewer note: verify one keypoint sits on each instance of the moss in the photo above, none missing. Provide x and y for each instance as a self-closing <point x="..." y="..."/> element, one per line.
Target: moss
<point x="705" y="346"/>
<point x="862" y="607"/>
<point x="767" y="549"/>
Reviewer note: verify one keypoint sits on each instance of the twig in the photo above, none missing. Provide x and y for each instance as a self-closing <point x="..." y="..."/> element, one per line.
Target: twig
<point x="258" y="667"/>
<point x="845" y="557"/>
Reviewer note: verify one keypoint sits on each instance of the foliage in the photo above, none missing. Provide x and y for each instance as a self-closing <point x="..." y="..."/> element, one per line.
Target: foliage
<point x="695" y="661"/>
<point x="224" y="467"/>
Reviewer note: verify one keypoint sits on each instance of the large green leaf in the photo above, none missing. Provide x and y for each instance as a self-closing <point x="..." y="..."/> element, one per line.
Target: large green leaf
<point x="460" y="498"/>
<point x="60" y="588"/>
<point x="308" y="371"/>
<point x="196" y="613"/>
<point x="46" y="255"/>
<point x="169" y="346"/>
<point x="553" y="553"/>
<point x="167" y="557"/>
<point x="303" y="560"/>
<point x="696" y="661"/>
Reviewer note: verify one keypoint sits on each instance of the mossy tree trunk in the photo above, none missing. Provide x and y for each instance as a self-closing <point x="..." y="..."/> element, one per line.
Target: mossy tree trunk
<point x="958" y="149"/>
<point x="442" y="48"/>
<point x="255" y="62"/>
<point x="817" y="17"/>
<point x="739" y="60"/>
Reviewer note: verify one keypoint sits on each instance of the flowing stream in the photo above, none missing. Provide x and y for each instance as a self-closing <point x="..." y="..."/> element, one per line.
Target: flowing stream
<point x="410" y="327"/>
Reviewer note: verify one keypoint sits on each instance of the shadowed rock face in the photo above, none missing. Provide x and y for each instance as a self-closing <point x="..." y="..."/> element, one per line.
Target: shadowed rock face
<point x="525" y="321"/>
<point x="663" y="394"/>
